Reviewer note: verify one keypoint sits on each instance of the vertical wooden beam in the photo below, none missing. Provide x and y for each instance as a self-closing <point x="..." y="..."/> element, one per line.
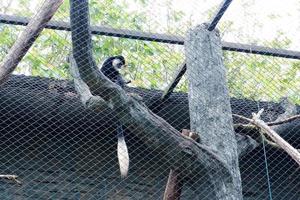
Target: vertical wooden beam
<point x="210" y="110"/>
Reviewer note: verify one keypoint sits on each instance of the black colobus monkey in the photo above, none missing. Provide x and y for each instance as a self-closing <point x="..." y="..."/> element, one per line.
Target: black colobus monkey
<point x="110" y="68"/>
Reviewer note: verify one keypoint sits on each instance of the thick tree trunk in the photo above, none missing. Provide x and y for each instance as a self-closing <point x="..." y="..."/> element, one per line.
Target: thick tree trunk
<point x="209" y="105"/>
<point x="180" y="152"/>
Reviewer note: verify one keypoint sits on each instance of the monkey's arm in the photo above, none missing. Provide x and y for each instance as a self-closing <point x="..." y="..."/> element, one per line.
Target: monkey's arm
<point x="120" y="81"/>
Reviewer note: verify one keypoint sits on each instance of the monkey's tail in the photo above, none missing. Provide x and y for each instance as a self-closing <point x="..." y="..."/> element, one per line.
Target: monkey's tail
<point x="123" y="156"/>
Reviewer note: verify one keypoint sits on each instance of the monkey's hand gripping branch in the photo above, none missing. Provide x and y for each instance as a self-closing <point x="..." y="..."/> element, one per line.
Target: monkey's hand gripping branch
<point x="88" y="100"/>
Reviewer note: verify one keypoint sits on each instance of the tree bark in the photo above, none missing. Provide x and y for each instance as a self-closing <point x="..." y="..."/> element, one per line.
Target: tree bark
<point x="27" y="38"/>
<point x="175" y="179"/>
<point x="180" y="152"/>
<point x="209" y="105"/>
<point x="192" y="159"/>
<point x="61" y="94"/>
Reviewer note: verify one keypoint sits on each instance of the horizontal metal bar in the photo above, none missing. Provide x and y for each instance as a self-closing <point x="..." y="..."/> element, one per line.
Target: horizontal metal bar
<point x="253" y="49"/>
<point x="99" y="30"/>
<point x="219" y="14"/>
<point x="163" y="38"/>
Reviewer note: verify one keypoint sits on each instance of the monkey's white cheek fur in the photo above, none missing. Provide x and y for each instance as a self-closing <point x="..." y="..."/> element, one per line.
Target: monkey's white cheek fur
<point x="116" y="62"/>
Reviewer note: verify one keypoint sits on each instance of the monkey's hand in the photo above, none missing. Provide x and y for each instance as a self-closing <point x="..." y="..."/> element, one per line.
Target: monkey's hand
<point x="127" y="82"/>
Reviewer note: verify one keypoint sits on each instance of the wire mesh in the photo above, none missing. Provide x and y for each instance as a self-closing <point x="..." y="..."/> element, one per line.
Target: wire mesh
<point x="60" y="149"/>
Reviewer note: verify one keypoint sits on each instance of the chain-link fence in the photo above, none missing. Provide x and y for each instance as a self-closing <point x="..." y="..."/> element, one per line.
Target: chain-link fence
<point x="70" y="135"/>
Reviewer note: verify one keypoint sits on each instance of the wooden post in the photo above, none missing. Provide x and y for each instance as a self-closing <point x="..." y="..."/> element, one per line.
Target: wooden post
<point x="209" y="106"/>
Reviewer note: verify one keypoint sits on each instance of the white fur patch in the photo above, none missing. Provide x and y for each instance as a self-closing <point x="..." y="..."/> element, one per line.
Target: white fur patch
<point x="123" y="157"/>
<point x="116" y="62"/>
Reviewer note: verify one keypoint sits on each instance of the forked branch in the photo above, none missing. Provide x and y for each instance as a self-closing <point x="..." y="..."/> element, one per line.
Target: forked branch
<point x="294" y="153"/>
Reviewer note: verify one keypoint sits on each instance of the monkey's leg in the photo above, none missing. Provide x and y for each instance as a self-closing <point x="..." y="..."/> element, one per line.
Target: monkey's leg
<point x="123" y="156"/>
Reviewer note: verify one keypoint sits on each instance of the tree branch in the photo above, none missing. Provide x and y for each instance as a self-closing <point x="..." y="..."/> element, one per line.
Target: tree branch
<point x="283" y="121"/>
<point x="294" y="153"/>
<point x="27" y="38"/>
<point x="157" y="134"/>
<point x="274" y="123"/>
<point x="86" y="97"/>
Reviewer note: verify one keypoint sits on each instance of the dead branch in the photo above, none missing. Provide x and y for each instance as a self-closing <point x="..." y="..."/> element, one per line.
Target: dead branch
<point x="283" y="121"/>
<point x="27" y="38"/>
<point x="11" y="177"/>
<point x="274" y="123"/>
<point x="275" y="137"/>
<point x="175" y="180"/>
<point x="250" y="127"/>
<point x="294" y="153"/>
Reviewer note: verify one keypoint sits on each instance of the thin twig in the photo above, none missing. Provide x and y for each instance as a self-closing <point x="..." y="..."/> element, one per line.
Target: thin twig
<point x="294" y="153"/>
<point x="269" y="123"/>
<point x="242" y="117"/>
<point x="283" y="121"/>
<point x="252" y="125"/>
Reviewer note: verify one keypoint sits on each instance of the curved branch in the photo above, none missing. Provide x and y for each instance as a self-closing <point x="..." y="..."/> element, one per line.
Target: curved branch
<point x="88" y="100"/>
<point x="159" y="135"/>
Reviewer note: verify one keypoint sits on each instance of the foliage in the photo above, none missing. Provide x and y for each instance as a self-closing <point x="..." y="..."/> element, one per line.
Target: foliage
<point x="261" y="77"/>
<point x="151" y="64"/>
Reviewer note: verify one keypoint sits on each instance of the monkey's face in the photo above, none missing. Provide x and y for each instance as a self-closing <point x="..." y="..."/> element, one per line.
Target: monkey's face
<point x="118" y="62"/>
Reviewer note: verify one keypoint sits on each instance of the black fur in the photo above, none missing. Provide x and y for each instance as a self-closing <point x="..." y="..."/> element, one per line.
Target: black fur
<point x="111" y="72"/>
<point x="114" y="75"/>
